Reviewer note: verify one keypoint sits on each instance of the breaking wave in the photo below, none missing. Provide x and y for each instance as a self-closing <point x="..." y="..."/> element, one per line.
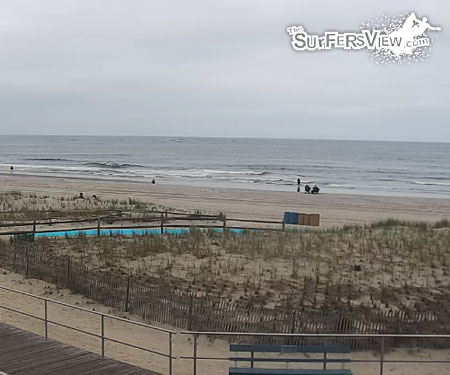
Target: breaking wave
<point x="113" y="165"/>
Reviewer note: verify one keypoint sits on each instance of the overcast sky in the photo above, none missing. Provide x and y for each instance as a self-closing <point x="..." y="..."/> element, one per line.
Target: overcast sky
<point x="213" y="68"/>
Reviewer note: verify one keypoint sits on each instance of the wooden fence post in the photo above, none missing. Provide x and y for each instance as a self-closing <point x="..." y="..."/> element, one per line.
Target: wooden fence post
<point x="294" y="318"/>
<point x="224" y="219"/>
<point x="98" y="227"/>
<point x="68" y="272"/>
<point x="162" y="223"/>
<point x="127" y="297"/>
<point x="292" y="330"/>
<point x="191" y="313"/>
<point x="34" y="229"/>
<point x="26" y="261"/>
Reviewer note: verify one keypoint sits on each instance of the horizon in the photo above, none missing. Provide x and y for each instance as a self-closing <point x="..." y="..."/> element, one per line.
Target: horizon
<point x="223" y="137"/>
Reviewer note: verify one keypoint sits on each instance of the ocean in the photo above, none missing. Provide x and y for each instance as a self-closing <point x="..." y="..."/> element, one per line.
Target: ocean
<point x="353" y="167"/>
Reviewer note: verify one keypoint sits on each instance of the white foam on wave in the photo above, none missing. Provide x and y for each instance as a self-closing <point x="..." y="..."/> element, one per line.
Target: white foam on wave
<point x="429" y="183"/>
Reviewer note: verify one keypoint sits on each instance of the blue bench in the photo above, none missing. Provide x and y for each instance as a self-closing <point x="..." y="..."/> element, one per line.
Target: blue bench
<point x="286" y="349"/>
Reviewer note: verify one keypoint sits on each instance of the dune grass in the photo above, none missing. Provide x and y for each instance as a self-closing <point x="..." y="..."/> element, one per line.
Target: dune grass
<point x="16" y="206"/>
<point x="387" y="266"/>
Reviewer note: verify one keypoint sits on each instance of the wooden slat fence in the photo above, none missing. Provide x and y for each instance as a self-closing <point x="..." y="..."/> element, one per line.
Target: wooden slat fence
<point x="157" y="303"/>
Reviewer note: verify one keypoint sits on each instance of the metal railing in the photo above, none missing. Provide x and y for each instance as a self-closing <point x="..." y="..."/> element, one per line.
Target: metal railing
<point x="196" y="334"/>
<point x="381" y="337"/>
<point x="102" y="336"/>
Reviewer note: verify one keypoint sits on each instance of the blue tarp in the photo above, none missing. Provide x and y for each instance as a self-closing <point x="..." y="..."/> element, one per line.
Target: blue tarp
<point x="291" y="217"/>
<point x="126" y="232"/>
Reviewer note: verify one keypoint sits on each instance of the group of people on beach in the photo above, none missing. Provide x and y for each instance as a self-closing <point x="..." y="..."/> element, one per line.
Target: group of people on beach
<point x="308" y="189"/>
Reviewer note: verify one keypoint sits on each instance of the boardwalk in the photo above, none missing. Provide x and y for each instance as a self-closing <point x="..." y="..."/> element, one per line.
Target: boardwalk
<point x="25" y="353"/>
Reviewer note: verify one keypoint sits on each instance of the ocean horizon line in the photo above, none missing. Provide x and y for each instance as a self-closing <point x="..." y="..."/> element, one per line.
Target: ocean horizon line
<point x="225" y="137"/>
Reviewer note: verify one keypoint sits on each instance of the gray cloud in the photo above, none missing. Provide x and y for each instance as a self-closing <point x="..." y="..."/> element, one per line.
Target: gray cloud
<point x="209" y="68"/>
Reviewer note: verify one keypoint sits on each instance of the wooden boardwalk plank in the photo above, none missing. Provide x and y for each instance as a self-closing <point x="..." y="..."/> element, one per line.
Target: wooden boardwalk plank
<point x="25" y="353"/>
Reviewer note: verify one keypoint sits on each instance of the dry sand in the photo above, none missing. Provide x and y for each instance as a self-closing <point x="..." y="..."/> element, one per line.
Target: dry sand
<point x="335" y="209"/>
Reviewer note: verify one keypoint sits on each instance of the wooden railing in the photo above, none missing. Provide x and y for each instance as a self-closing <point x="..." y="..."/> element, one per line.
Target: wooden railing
<point x="152" y="220"/>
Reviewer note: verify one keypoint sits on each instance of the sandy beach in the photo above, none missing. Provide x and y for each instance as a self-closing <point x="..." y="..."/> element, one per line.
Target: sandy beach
<point x="335" y="209"/>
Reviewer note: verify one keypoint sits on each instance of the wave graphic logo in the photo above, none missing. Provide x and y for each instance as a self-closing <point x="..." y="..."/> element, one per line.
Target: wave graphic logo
<point x="401" y="38"/>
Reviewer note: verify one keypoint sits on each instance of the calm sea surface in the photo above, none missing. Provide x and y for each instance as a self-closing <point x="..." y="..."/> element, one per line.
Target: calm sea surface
<point x="355" y="167"/>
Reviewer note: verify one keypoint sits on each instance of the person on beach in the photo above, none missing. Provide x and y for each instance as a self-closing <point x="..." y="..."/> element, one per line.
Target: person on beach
<point x="11" y="169"/>
<point x="315" y="190"/>
<point x="307" y="189"/>
<point x="298" y="185"/>
<point x="153" y="181"/>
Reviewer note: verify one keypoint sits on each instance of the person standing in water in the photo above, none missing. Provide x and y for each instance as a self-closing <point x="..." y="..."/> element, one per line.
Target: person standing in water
<point x="298" y="185"/>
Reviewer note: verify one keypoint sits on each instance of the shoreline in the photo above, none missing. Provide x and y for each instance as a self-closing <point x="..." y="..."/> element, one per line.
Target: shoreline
<point x="280" y="188"/>
<point x="335" y="209"/>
